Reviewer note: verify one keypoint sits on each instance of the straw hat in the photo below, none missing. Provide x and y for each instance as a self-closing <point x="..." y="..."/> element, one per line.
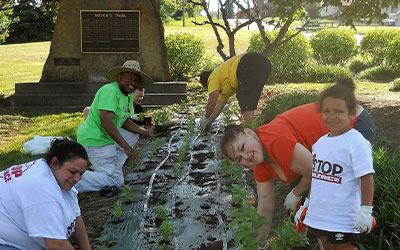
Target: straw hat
<point x="130" y="66"/>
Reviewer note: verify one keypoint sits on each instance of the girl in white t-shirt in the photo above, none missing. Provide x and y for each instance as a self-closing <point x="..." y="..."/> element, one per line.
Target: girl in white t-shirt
<point x="342" y="187"/>
<point x="38" y="202"/>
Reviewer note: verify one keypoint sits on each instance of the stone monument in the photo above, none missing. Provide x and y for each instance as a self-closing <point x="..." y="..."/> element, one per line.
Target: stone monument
<point x="90" y="37"/>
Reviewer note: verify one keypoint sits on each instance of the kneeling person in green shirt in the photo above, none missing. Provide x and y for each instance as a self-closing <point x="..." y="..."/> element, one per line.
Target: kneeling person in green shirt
<point x="108" y="134"/>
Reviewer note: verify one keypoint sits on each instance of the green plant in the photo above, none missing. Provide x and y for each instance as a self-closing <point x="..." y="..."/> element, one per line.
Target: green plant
<point x="141" y="116"/>
<point x="394" y="53"/>
<point x="288" y="238"/>
<point x="175" y="169"/>
<point x="288" y="59"/>
<point x="127" y="192"/>
<point x="154" y="149"/>
<point x="117" y="210"/>
<point x="375" y="44"/>
<point x="395" y="85"/>
<point x="357" y="65"/>
<point x="247" y="221"/>
<point x="161" y="212"/>
<point x="378" y="73"/>
<point x="322" y="73"/>
<point x="209" y="64"/>
<point x="167" y="229"/>
<point x="386" y="234"/>
<point x="185" y="52"/>
<point x="159" y="246"/>
<point x="232" y="169"/>
<point x="333" y="46"/>
<point x="161" y="117"/>
<point x="104" y="242"/>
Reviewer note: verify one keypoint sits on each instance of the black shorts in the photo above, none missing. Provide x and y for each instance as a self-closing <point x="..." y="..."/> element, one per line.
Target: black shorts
<point x="252" y="73"/>
<point x="334" y="237"/>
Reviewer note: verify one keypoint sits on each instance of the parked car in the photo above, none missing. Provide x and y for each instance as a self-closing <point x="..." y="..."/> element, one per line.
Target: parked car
<point x="389" y="22"/>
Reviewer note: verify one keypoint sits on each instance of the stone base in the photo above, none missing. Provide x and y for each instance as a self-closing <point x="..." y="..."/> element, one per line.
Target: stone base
<point x="59" y="97"/>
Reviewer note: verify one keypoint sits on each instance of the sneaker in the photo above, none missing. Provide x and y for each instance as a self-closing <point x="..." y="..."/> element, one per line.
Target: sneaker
<point x="109" y="191"/>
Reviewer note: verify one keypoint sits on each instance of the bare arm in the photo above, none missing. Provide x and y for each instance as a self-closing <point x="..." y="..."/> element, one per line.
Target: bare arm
<point x="54" y="244"/>
<point x="211" y="103"/>
<point x="302" y="164"/>
<point x="134" y="128"/>
<point x="80" y="235"/>
<point x="106" y="122"/>
<point x="266" y="205"/>
<point x="367" y="189"/>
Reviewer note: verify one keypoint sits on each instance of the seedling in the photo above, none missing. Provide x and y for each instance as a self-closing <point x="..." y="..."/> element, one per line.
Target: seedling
<point x="141" y="116"/>
<point x="118" y="209"/>
<point x="159" y="246"/>
<point x="232" y="169"/>
<point x="104" y="243"/>
<point x="175" y="169"/>
<point x="247" y="221"/>
<point x="167" y="229"/>
<point x="162" y="197"/>
<point x="155" y="147"/>
<point x="288" y="237"/>
<point x="161" y="212"/>
<point x="127" y="192"/>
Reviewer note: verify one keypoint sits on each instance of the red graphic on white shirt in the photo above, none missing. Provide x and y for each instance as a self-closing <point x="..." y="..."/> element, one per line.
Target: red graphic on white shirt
<point x="15" y="171"/>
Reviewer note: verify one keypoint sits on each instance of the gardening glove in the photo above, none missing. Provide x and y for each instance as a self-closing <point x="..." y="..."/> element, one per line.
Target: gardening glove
<point x="300" y="216"/>
<point x="204" y="124"/>
<point x="364" y="221"/>
<point x="291" y="201"/>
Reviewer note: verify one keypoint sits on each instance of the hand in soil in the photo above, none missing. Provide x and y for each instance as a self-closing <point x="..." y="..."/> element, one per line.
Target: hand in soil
<point x="132" y="155"/>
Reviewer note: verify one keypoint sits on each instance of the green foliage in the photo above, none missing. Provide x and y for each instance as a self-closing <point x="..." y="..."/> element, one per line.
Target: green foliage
<point x="386" y="234"/>
<point x="333" y="46"/>
<point x="154" y="149"/>
<point x="117" y="210"/>
<point x="161" y="212"/>
<point x="167" y="229"/>
<point x="357" y="65"/>
<point x="5" y="22"/>
<point x="281" y="103"/>
<point x="232" y="169"/>
<point x="168" y="8"/>
<point x="209" y="64"/>
<point x="288" y="238"/>
<point x="127" y="192"/>
<point x="104" y="242"/>
<point x="36" y="22"/>
<point x="161" y="117"/>
<point x="375" y="44"/>
<point x="394" y="53"/>
<point x="247" y="221"/>
<point x="159" y="246"/>
<point x="288" y="59"/>
<point x="322" y="73"/>
<point x="185" y="53"/>
<point x="395" y="85"/>
<point x="378" y="73"/>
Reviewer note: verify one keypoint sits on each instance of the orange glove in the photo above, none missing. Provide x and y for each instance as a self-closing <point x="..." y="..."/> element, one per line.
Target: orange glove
<point x="300" y="216"/>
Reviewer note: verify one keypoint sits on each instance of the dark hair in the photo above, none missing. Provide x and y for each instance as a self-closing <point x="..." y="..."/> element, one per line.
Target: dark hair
<point x="230" y="133"/>
<point x="65" y="150"/>
<point x="204" y="78"/>
<point x="346" y="82"/>
<point x="341" y="92"/>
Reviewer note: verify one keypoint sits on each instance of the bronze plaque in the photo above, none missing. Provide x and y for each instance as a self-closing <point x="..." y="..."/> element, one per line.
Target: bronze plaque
<point x="110" y="31"/>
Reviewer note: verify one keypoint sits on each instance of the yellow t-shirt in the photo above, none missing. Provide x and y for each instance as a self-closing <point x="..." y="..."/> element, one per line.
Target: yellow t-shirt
<point x="223" y="78"/>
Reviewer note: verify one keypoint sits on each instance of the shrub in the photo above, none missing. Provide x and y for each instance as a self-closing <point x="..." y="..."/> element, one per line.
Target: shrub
<point x="375" y="44"/>
<point x="358" y="65"/>
<point x="323" y="73"/>
<point x="378" y="73"/>
<point x="208" y="64"/>
<point x="288" y="59"/>
<point x="394" y="53"/>
<point x="395" y="85"/>
<point x="333" y="46"/>
<point x="185" y="53"/>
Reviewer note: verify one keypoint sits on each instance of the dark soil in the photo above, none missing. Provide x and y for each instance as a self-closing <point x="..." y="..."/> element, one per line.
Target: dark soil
<point x="385" y="111"/>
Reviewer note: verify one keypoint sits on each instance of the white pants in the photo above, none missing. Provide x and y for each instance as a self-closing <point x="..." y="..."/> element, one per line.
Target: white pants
<point x="107" y="162"/>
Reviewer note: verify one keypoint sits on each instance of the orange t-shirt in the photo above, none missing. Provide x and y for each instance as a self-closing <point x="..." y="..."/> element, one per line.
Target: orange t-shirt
<point x="301" y="124"/>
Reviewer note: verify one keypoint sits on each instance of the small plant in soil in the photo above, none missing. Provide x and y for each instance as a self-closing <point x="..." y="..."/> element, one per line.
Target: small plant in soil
<point x="288" y="238"/>
<point x="117" y="211"/>
<point x="155" y="148"/>
<point x="127" y="192"/>
<point x="232" y="169"/>
<point x="161" y="212"/>
<point x="247" y="221"/>
<point x="175" y="169"/>
<point x="104" y="242"/>
<point x="167" y="230"/>
<point x="159" y="246"/>
<point x="162" y="197"/>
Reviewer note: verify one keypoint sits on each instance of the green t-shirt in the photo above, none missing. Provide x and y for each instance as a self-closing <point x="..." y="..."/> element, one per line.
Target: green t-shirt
<point x="110" y="98"/>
